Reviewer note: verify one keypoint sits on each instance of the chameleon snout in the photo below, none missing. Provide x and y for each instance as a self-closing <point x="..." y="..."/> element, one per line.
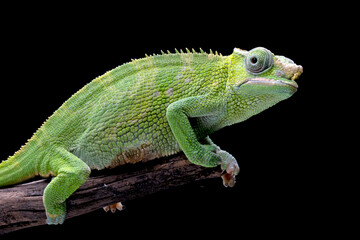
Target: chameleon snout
<point x="290" y="71"/>
<point x="287" y="68"/>
<point x="297" y="71"/>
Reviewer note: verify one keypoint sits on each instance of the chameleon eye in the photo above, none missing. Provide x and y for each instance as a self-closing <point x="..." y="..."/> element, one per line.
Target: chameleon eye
<point x="258" y="60"/>
<point x="253" y="60"/>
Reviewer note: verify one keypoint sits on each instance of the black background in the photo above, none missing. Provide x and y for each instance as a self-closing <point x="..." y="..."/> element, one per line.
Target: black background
<point x="283" y="188"/>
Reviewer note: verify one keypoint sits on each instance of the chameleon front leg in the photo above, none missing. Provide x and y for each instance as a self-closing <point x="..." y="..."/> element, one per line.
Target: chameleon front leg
<point x="205" y="152"/>
<point x="178" y="114"/>
<point x="70" y="173"/>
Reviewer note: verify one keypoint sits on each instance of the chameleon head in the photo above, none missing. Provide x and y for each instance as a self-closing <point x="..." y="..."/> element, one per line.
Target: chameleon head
<point x="259" y="79"/>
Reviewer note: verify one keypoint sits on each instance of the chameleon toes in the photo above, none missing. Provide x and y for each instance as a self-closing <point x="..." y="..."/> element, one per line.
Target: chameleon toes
<point x="55" y="219"/>
<point x="228" y="180"/>
<point x="114" y="207"/>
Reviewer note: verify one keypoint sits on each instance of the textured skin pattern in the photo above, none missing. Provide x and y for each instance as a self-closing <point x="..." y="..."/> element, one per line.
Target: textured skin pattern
<point x="148" y="108"/>
<point x="130" y="114"/>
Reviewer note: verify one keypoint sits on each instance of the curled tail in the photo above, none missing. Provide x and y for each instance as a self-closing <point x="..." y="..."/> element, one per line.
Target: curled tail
<point x="15" y="170"/>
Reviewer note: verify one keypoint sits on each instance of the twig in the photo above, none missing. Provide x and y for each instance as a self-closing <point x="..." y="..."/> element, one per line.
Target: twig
<point x="21" y="205"/>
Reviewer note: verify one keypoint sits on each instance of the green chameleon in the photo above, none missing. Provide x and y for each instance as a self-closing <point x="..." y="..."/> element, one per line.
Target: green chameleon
<point x="149" y="108"/>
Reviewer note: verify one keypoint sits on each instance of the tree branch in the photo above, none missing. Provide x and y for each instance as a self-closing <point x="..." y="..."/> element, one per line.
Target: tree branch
<point x="21" y="205"/>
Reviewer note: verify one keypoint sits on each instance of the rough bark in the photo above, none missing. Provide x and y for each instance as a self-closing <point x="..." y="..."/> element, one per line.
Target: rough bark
<point x="21" y="205"/>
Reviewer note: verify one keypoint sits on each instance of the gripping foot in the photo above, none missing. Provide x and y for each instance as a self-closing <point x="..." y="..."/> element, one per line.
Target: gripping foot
<point x="230" y="166"/>
<point x="113" y="207"/>
<point x="55" y="219"/>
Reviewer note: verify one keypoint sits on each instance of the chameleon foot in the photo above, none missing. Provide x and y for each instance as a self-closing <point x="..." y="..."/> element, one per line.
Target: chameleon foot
<point x="53" y="219"/>
<point x="113" y="207"/>
<point x="230" y="166"/>
<point x="56" y="214"/>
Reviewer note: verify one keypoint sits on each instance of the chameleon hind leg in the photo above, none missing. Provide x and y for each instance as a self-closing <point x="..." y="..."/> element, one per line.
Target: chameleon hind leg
<point x="70" y="173"/>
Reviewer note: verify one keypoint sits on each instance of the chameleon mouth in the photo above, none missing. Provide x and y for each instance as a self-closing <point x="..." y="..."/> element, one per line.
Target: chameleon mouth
<point x="271" y="82"/>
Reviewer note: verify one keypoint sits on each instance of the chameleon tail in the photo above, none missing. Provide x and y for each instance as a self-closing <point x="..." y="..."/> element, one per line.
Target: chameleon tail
<point x="16" y="169"/>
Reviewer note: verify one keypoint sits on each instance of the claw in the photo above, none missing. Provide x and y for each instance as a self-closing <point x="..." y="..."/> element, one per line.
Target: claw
<point x="228" y="180"/>
<point x="229" y="177"/>
<point x="113" y="207"/>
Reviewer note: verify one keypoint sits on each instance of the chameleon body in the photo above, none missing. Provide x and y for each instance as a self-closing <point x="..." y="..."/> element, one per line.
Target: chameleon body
<point x="146" y="109"/>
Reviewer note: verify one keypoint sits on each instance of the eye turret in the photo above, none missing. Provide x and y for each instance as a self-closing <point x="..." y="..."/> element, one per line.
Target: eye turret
<point x="258" y="60"/>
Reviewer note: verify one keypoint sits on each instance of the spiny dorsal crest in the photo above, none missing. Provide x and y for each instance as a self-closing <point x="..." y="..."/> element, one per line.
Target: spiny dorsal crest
<point x="181" y="51"/>
<point x="210" y="55"/>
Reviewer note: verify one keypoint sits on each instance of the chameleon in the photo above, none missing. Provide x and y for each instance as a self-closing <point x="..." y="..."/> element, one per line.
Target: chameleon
<point x="148" y="108"/>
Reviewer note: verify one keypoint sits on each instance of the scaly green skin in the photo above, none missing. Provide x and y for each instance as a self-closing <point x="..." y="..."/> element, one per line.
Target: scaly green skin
<point x="146" y="109"/>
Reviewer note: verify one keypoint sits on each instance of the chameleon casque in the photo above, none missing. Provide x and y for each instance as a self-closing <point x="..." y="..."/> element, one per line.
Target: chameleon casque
<point x="149" y="108"/>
